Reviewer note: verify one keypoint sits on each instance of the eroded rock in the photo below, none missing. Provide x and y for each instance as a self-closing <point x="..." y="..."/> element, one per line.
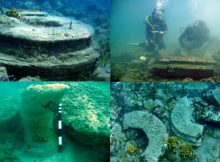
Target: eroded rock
<point x="183" y="67"/>
<point x="39" y="44"/>
<point x="3" y="74"/>
<point x="183" y="123"/>
<point x="41" y="100"/>
<point x="86" y="113"/>
<point x="153" y="128"/>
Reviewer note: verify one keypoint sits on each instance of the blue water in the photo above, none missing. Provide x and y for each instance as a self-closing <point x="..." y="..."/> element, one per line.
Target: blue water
<point x="95" y="12"/>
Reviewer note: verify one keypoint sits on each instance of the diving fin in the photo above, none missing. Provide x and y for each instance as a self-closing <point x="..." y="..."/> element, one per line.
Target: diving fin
<point x="138" y="44"/>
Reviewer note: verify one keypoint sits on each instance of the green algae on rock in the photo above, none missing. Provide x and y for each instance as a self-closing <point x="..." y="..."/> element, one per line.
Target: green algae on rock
<point x="37" y="105"/>
<point x="86" y="113"/>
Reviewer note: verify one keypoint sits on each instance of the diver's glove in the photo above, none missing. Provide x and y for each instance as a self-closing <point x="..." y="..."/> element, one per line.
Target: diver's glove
<point x="160" y="32"/>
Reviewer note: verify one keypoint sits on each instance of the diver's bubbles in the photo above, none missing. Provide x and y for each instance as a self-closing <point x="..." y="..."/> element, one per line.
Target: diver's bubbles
<point x="160" y="4"/>
<point x="195" y="4"/>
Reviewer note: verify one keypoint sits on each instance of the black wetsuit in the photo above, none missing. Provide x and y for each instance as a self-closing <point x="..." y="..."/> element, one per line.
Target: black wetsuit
<point x="195" y="35"/>
<point x="155" y="40"/>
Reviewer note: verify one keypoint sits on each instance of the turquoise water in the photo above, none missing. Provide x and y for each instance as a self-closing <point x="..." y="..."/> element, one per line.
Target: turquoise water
<point x="128" y="28"/>
<point x="128" y="20"/>
<point x="13" y="146"/>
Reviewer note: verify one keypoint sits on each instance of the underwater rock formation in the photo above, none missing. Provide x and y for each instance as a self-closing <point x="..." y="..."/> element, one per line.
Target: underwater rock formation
<point x="117" y="139"/>
<point x="86" y="114"/>
<point x="210" y="148"/>
<point x="216" y="95"/>
<point x="154" y="129"/>
<point x="207" y="108"/>
<point x="55" y="48"/>
<point x="183" y="67"/>
<point x="182" y="122"/>
<point x="208" y="115"/>
<point x="39" y="102"/>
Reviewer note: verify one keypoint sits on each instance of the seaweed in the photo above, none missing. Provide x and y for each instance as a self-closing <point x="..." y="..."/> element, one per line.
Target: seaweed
<point x="172" y="142"/>
<point x="131" y="149"/>
<point x="13" y="13"/>
<point x="186" y="151"/>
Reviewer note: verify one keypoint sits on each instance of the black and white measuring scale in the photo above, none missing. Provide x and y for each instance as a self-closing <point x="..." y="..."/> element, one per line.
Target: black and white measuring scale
<point x="59" y="132"/>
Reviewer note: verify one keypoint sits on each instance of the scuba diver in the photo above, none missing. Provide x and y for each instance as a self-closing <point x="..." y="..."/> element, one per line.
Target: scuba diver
<point x="155" y="30"/>
<point x="194" y="35"/>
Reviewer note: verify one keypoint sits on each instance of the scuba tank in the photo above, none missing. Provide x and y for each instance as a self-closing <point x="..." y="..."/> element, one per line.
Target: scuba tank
<point x="194" y="35"/>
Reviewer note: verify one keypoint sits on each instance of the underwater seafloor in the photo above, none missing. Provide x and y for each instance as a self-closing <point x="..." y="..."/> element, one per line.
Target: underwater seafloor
<point x="133" y="61"/>
<point x="88" y="65"/>
<point x="166" y="122"/>
<point x="29" y="121"/>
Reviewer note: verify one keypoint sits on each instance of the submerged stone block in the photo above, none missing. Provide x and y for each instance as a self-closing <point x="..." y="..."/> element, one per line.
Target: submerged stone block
<point x="153" y="128"/>
<point x="86" y="114"/>
<point x="38" y="44"/>
<point x="38" y="104"/>
<point x="183" y="124"/>
<point x="183" y="67"/>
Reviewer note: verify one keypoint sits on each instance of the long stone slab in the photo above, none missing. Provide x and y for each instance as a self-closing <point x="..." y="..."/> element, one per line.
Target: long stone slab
<point x="183" y="67"/>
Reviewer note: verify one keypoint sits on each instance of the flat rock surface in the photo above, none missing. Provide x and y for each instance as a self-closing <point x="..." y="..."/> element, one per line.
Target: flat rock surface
<point x="51" y="47"/>
<point x="86" y="113"/>
<point x="44" y="28"/>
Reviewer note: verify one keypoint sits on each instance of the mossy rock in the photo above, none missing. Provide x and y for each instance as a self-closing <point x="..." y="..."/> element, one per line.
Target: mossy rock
<point x="86" y="113"/>
<point x="45" y="95"/>
<point x="13" y="13"/>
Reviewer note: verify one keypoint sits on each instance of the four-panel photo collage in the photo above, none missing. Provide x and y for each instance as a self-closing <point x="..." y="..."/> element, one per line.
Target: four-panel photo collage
<point x="109" y="81"/>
